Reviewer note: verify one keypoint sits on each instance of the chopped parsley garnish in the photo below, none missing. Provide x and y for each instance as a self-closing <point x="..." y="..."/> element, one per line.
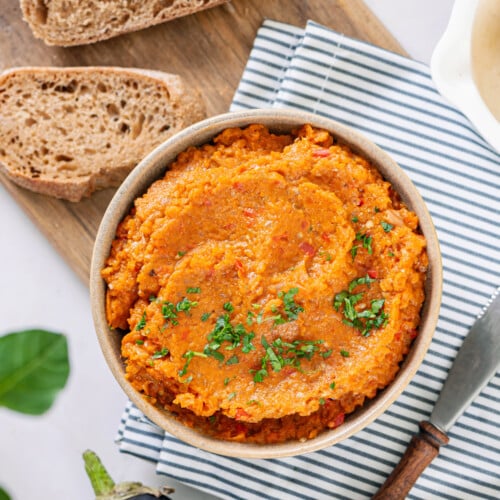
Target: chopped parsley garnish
<point x="189" y="355"/>
<point x="354" y="251"/>
<point x="367" y="319"/>
<point x="332" y="385"/>
<point x="344" y="353"/>
<point x="363" y="280"/>
<point x="228" y="307"/>
<point x="142" y="322"/>
<point x="292" y="309"/>
<point x="280" y="354"/>
<point x="247" y="342"/>
<point x="232" y="395"/>
<point x="250" y="318"/>
<point x="205" y="316"/>
<point x="233" y="360"/>
<point x="355" y="219"/>
<point x="386" y="226"/>
<point x="139" y="341"/>
<point x="193" y="289"/>
<point x="160" y="354"/>
<point x="321" y="401"/>
<point x="366" y="241"/>
<point x="168" y="311"/>
<point x="185" y="305"/>
<point x="181" y="254"/>
<point x="227" y="380"/>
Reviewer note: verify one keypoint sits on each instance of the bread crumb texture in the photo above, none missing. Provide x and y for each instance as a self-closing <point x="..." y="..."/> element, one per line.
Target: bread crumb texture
<point x="67" y="132"/>
<point x="76" y="22"/>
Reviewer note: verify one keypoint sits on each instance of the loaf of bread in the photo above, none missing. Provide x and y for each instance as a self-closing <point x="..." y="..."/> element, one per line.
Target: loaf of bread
<point x="66" y="132"/>
<point x="77" y="22"/>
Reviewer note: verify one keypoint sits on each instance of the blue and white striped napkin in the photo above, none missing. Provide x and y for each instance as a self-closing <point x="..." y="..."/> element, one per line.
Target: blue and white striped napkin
<point x="393" y="101"/>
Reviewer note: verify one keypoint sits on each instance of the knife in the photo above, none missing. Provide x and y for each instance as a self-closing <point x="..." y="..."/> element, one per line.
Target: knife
<point x="476" y="363"/>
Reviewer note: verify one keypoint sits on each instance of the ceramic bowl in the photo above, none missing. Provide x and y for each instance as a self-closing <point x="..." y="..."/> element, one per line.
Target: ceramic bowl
<point x="154" y="167"/>
<point x="452" y="65"/>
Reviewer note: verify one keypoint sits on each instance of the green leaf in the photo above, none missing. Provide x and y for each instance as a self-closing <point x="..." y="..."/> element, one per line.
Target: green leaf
<point x="3" y="495"/>
<point x="34" y="367"/>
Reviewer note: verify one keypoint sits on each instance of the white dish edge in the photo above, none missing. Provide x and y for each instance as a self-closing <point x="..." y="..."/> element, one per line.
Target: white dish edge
<point x="451" y="71"/>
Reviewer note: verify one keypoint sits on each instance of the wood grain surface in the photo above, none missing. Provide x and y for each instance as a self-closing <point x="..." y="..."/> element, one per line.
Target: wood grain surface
<point x="208" y="49"/>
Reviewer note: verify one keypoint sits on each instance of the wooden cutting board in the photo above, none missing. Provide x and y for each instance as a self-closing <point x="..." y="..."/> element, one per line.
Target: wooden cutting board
<point x="209" y="49"/>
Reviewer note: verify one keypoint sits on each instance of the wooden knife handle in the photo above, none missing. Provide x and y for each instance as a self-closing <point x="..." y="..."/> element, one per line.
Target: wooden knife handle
<point x="423" y="448"/>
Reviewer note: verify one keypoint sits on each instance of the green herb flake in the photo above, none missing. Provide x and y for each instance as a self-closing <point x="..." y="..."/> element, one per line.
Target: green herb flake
<point x="205" y="316"/>
<point x="161" y="353"/>
<point x="363" y="280"/>
<point x="228" y="307"/>
<point x="322" y="401"/>
<point x="344" y="353"/>
<point x="354" y="251"/>
<point x="355" y="219"/>
<point x="232" y="395"/>
<point x="332" y="385"/>
<point x="233" y="360"/>
<point x="386" y="226"/>
<point x="181" y="254"/>
<point x="139" y="341"/>
<point x="227" y="380"/>
<point x="366" y="320"/>
<point x="185" y="305"/>
<point x="292" y="309"/>
<point x="188" y="356"/>
<point x="281" y="354"/>
<point x="376" y="210"/>
<point x="142" y="322"/>
<point x="247" y="342"/>
<point x="259" y="375"/>
<point x="390" y="254"/>
<point x="366" y="241"/>
<point x="193" y="289"/>
<point x="169" y="313"/>
<point x="250" y="318"/>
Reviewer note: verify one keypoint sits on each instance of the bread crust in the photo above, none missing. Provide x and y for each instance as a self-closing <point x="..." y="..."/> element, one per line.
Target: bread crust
<point x="186" y="104"/>
<point x="35" y="13"/>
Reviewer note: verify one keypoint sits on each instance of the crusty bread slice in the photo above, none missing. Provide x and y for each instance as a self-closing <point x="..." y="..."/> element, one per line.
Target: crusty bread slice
<point x="66" y="132"/>
<point x="77" y="22"/>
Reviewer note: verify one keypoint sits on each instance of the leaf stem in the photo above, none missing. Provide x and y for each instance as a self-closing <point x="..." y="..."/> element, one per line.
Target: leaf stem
<point x="100" y="479"/>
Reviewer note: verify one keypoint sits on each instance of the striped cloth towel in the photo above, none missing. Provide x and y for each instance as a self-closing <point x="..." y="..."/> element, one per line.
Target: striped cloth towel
<point x="393" y="101"/>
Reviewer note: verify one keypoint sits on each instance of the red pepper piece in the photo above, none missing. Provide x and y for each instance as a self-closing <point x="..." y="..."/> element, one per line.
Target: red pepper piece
<point x="307" y="248"/>
<point x="241" y="413"/>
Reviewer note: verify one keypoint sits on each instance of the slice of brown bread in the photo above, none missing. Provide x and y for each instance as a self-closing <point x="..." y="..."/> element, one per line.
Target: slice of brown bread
<point x="77" y="22"/>
<point x="66" y="132"/>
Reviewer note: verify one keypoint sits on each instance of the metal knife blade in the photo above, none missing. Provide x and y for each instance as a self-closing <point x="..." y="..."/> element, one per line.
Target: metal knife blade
<point x="477" y="361"/>
<point x="475" y="364"/>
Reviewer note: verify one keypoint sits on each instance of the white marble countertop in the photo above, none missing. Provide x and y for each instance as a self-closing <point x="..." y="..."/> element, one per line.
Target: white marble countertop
<point x="40" y="457"/>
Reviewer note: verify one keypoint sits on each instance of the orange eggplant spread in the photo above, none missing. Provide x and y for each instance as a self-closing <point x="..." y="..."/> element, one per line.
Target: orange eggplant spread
<point x="267" y="285"/>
